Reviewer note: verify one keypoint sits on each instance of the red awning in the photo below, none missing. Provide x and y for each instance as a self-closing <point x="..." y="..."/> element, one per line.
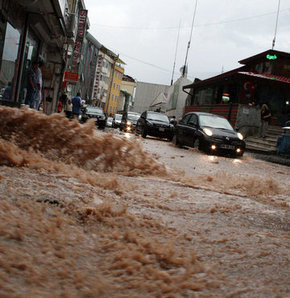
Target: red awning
<point x="267" y="76"/>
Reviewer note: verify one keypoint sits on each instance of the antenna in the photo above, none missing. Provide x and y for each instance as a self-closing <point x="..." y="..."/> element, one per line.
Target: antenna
<point x="175" y="52"/>
<point x="188" y="45"/>
<point x="276" y="25"/>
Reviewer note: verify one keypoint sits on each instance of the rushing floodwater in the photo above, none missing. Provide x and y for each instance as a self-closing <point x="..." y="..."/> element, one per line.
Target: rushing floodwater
<point x="85" y="214"/>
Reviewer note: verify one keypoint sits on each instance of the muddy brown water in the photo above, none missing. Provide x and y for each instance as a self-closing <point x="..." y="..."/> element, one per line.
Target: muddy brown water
<point x="95" y="215"/>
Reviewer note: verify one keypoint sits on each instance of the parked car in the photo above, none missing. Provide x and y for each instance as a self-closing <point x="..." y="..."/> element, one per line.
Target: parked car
<point x="129" y="121"/>
<point x="109" y="122"/>
<point x="210" y="133"/>
<point x="117" y="120"/>
<point x="95" y="113"/>
<point x="154" y="124"/>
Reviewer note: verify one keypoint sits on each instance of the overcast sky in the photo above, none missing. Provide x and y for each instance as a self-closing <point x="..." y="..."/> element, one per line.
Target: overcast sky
<point x="145" y="32"/>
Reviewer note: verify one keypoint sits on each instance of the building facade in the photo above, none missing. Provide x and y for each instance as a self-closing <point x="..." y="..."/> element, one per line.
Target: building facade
<point x="114" y="88"/>
<point x="145" y="94"/>
<point x="263" y="78"/>
<point x="128" y="87"/>
<point x="32" y="30"/>
<point x="91" y="51"/>
<point x="102" y="78"/>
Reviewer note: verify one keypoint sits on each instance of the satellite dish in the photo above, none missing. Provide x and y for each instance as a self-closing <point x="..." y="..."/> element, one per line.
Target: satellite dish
<point x="183" y="70"/>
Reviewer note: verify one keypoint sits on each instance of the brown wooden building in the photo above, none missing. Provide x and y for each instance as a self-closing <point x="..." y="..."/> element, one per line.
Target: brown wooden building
<point x="263" y="78"/>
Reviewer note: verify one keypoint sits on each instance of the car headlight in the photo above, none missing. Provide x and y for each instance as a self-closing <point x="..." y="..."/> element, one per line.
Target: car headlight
<point x="207" y="131"/>
<point x="240" y="136"/>
<point x="128" y="122"/>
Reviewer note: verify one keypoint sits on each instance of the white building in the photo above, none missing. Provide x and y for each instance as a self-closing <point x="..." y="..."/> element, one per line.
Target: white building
<point x="168" y="99"/>
<point x="102" y="78"/>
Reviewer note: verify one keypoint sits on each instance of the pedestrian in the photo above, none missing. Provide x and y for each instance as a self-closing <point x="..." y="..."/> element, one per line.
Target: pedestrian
<point x="68" y="108"/>
<point x="38" y="94"/>
<point x="31" y="85"/>
<point x="59" y="107"/>
<point x="265" y="119"/>
<point x="76" y="105"/>
<point x="7" y="92"/>
<point x="173" y="121"/>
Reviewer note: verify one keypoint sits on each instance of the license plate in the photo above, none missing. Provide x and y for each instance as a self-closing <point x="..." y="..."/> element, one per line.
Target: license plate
<point x="161" y="129"/>
<point x="224" y="146"/>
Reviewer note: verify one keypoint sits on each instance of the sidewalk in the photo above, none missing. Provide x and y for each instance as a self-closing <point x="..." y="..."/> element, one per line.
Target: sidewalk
<point x="271" y="157"/>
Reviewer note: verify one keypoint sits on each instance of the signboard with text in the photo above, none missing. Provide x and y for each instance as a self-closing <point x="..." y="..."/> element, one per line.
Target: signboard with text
<point x="79" y="39"/>
<point x="71" y="77"/>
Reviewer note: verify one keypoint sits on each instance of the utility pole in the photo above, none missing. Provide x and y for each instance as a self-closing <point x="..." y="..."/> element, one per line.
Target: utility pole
<point x="188" y="45"/>
<point x="175" y="53"/>
<point x="276" y="25"/>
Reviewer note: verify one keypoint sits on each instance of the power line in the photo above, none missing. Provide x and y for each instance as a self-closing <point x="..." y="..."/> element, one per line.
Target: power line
<point x="198" y="25"/>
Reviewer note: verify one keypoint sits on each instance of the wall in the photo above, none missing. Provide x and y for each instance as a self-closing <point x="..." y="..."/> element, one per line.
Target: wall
<point x="145" y="94"/>
<point x="248" y="120"/>
<point x="177" y="98"/>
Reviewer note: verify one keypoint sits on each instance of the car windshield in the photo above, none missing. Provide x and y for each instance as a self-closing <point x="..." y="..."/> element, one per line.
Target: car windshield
<point x="95" y="111"/>
<point x="118" y="116"/>
<point x="158" y="117"/>
<point x="214" y="122"/>
<point x="133" y="116"/>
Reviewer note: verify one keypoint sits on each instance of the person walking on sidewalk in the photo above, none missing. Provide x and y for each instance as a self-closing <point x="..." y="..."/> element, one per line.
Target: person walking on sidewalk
<point x="38" y="94"/>
<point x="265" y="119"/>
<point x="76" y="105"/>
<point x="31" y="85"/>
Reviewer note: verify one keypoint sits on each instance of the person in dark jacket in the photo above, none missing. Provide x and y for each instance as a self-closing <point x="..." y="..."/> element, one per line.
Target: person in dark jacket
<point x="76" y="105"/>
<point x="265" y="119"/>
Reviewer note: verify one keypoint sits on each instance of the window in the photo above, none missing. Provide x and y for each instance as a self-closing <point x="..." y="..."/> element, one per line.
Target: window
<point x="185" y="119"/>
<point x="9" y="43"/>
<point x="193" y="120"/>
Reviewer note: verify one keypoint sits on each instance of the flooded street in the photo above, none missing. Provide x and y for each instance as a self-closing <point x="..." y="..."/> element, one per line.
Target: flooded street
<point x="87" y="213"/>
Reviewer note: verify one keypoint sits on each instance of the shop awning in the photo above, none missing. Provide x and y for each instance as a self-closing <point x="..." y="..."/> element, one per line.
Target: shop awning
<point x="266" y="76"/>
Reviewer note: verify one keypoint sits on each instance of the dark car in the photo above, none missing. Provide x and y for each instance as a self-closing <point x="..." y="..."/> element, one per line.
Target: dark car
<point x="129" y="121"/>
<point x="117" y="120"/>
<point x="95" y="113"/>
<point x="210" y="133"/>
<point x="155" y="124"/>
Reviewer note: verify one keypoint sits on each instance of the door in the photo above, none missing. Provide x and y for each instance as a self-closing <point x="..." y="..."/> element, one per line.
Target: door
<point x="181" y="128"/>
<point x="141" y="122"/>
<point x="190" y="130"/>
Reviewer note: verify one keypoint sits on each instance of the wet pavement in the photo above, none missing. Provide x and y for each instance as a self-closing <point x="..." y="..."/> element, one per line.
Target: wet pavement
<point x="103" y="214"/>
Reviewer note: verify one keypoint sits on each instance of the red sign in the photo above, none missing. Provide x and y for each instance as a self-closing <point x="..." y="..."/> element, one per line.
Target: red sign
<point x="72" y="77"/>
<point x="79" y="39"/>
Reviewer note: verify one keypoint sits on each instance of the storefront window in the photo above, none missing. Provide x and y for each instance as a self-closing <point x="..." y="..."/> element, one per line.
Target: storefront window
<point x="9" y="44"/>
<point x="30" y="54"/>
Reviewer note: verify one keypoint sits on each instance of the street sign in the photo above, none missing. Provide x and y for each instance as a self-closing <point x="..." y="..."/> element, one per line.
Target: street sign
<point x="72" y="77"/>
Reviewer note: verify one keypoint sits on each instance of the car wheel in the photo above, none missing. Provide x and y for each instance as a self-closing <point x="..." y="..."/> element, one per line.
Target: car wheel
<point x="144" y="134"/>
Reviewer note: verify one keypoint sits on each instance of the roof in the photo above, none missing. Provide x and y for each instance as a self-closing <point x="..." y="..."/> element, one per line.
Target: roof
<point x="263" y="55"/>
<point x="267" y="76"/>
<point x="111" y="54"/>
<point x="92" y="39"/>
<point x="212" y="79"/>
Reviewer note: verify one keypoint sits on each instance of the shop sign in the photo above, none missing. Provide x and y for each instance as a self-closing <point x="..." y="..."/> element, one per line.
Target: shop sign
<point x="79" y="39"/>
<point x="72" y="77"/>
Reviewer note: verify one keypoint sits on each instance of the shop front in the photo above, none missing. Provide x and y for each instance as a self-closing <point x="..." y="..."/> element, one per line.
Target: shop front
<point x="30" y="31"/>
